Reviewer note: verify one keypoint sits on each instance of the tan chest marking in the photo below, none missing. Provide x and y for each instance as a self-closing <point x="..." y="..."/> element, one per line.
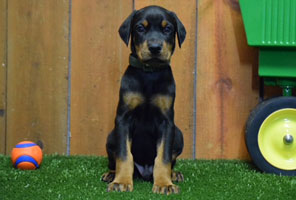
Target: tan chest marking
<point x="163" y="102"/>
<point x="133" y="99"/>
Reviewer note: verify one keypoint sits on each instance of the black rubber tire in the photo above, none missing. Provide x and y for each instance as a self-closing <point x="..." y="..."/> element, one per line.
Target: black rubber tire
<point x="256" y="118"/>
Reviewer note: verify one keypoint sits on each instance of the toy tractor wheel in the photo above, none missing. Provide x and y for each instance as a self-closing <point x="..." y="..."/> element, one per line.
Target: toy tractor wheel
<point x="271" y="136"/>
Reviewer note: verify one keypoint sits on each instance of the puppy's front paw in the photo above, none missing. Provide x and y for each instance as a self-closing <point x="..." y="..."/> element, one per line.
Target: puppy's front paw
<point x="120" y="187"/>
<point x="166" y="189"/>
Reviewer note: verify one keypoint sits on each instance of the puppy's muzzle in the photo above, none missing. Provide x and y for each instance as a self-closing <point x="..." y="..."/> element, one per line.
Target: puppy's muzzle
<point x="155" y="47"/>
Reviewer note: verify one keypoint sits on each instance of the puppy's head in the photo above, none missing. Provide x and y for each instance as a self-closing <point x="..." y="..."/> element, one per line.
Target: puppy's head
<point x="152" y="31"/>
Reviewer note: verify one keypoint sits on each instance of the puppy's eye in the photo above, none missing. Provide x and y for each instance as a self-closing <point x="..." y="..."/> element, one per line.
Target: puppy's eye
<point x="167" y="29"/>
<point x="140" y="29"/>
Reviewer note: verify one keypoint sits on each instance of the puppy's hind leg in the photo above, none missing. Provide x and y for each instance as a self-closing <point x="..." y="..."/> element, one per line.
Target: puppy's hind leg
<point x="177" y="150"/>
<point x="110" y="147"/>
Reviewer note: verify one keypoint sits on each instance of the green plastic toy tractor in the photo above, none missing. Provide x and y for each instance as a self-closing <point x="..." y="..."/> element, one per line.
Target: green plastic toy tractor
<point x="271" y="127"/>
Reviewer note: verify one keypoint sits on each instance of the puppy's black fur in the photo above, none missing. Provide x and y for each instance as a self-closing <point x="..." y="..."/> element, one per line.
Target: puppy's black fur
<point x="145" y="137"/>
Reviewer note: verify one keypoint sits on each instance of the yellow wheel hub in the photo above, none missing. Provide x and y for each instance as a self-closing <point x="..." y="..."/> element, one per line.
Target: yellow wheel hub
<point x="277" y="139"/>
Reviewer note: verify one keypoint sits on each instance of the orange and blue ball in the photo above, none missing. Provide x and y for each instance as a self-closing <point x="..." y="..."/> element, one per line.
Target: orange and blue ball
<point x="26" y="155"/>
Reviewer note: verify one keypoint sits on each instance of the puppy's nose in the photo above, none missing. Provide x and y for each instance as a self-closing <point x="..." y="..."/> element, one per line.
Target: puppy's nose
<point x="155" y="48"/>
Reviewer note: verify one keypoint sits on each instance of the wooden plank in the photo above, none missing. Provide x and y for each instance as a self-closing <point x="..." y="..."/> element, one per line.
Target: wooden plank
<point x="226" y="88"/>
<point x="99" y="58"/>
<point x="183" y="67"/>
<point x="37" y="73"/>
<point x="3" y="30"/>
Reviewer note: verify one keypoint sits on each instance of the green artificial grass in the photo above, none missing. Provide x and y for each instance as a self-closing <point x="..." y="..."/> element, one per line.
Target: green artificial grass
<point x="78" y="177"/>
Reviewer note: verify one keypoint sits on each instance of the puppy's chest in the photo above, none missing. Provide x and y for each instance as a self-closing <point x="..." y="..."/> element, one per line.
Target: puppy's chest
<point x="150" y="91"/>
<point x="133" y="99"/>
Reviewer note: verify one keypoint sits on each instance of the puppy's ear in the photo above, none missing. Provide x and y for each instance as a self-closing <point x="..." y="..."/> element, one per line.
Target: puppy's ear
<point x="181" y="32"/>
<point x="125" y="28"/>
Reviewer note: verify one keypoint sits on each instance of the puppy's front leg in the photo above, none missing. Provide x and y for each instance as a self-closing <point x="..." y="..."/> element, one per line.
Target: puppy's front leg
<point x="124" y="170"/>
<point x="162" y="172"/>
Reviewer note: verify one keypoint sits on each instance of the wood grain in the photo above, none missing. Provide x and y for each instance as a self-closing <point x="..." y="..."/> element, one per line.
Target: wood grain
<point x="38" y="73"/>
<point x="99" y="58"/>
<point x="35" y="77"/>
<point x="226" y="86"/>
<point x="3" y="31"/>
<point x="183" y="65"/>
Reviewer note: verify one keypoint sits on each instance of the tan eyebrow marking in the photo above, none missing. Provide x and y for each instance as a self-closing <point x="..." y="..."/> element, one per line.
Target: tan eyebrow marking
<point x="164" y="23"/>
<point x="145" y="23"/>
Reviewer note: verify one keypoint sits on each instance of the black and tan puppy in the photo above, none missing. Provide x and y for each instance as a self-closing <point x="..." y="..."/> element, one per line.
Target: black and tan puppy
<point x="145" y="137"/>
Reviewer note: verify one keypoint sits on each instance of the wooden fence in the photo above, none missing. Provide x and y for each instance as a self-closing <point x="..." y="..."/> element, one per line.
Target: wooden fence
<point x="61" y="62"/>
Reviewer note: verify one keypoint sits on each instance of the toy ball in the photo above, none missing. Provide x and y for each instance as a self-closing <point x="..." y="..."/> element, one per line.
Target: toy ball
<point x="26" y="155"/>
